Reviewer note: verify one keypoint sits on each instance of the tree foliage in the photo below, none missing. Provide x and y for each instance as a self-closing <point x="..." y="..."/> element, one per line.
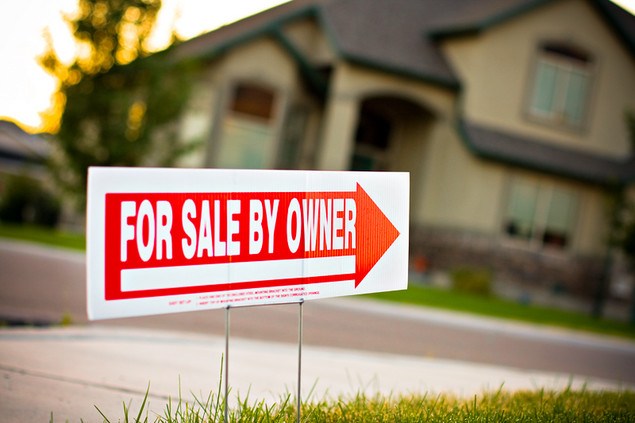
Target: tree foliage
<point x="26" y="200"/>
<point x="622" y="218"/>
<point x="121" y="104"/>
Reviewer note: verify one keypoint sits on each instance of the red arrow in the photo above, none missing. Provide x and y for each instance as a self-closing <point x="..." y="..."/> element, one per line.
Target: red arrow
<point x="374" y="235"/>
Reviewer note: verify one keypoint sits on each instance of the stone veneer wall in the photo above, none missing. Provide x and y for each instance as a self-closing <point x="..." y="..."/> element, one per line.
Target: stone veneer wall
<point x="446" y="249"/>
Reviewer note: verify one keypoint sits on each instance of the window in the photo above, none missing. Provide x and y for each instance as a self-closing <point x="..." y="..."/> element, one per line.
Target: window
<point x="248" y="129"/>
<point x="521" y="210"/>
<point x="561" y="86"/>
<point x="254" y="101"/>
<point x="541" y="215"/>
<point x="560" y="217"/>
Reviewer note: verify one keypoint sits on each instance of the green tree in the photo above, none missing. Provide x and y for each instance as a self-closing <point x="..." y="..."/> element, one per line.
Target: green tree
<point x="120" y="103"/>
<point x="622" y="222"/>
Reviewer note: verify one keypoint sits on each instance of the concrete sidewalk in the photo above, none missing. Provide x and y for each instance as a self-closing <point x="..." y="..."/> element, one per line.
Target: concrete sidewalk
<point x="69" y="371"/>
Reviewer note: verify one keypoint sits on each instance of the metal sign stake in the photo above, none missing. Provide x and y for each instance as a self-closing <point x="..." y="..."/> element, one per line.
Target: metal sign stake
<point x="226" y="363"/>
<point x="300" y="335"/>
<point x="300" y="340"/>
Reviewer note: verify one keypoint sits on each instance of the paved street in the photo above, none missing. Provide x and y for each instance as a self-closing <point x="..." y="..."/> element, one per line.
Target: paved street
<point x="68" y="371"/>
<point x="44" y="284"/>
<point x="350" y="345"/>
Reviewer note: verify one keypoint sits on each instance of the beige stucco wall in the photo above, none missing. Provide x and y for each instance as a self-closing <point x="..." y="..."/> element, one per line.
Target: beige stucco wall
<point x="262" y="61"/>
<point x="308" y="37"/>
<point x="460" y="191"/>
<point x="496" y="67"/>
<point x="590" y="233"/>
<point x="359" y="82"/>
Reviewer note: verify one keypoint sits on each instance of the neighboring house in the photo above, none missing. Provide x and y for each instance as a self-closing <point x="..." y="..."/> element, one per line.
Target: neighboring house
<point x="508" y="114"/>
<point x="21" y="153"/>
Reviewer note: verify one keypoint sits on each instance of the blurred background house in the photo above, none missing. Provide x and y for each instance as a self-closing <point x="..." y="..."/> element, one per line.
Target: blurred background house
<point x="26" y="188"/>
<point x="21" y="153"/>
<point x="509" y="116"/>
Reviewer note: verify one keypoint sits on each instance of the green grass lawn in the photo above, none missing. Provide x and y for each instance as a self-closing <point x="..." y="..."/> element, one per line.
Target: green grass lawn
<point x="524" y="406"/>
<point x="496" y="307"/>
<point x="44" y="236"/>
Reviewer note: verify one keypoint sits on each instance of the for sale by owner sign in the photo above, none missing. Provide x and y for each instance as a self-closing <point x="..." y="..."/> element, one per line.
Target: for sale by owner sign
<point x="174" y="240"/>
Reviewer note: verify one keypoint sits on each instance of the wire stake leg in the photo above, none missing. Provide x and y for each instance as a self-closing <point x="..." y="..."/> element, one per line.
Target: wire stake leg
<point x="226" y="364"/>
<point x="300" y="336"/>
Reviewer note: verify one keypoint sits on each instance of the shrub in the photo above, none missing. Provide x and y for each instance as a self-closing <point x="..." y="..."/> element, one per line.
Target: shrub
<point x="25" y="200"/>
<point x="472" y="281"/>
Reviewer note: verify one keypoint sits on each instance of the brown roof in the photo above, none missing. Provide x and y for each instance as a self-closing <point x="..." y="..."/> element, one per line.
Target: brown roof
<point x="226" y="36"/>
<point x="399" y="36"/>
<point x="390" y="34"/>
<point x="491" y="143"/>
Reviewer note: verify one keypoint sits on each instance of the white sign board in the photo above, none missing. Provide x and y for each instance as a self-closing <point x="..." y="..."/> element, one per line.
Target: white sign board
<point x="173" y="240"/>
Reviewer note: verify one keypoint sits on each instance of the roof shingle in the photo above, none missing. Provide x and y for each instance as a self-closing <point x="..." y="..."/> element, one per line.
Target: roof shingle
<point x="535" y="154"/>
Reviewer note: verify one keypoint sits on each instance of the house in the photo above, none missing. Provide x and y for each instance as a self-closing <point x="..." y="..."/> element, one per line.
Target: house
<point x="509" y="116"/>
<point x="21" y="153"/>
<point x="26" y="187"/>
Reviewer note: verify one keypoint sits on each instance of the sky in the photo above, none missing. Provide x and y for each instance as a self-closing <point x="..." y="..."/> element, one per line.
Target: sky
<point x="26" y="89"/>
